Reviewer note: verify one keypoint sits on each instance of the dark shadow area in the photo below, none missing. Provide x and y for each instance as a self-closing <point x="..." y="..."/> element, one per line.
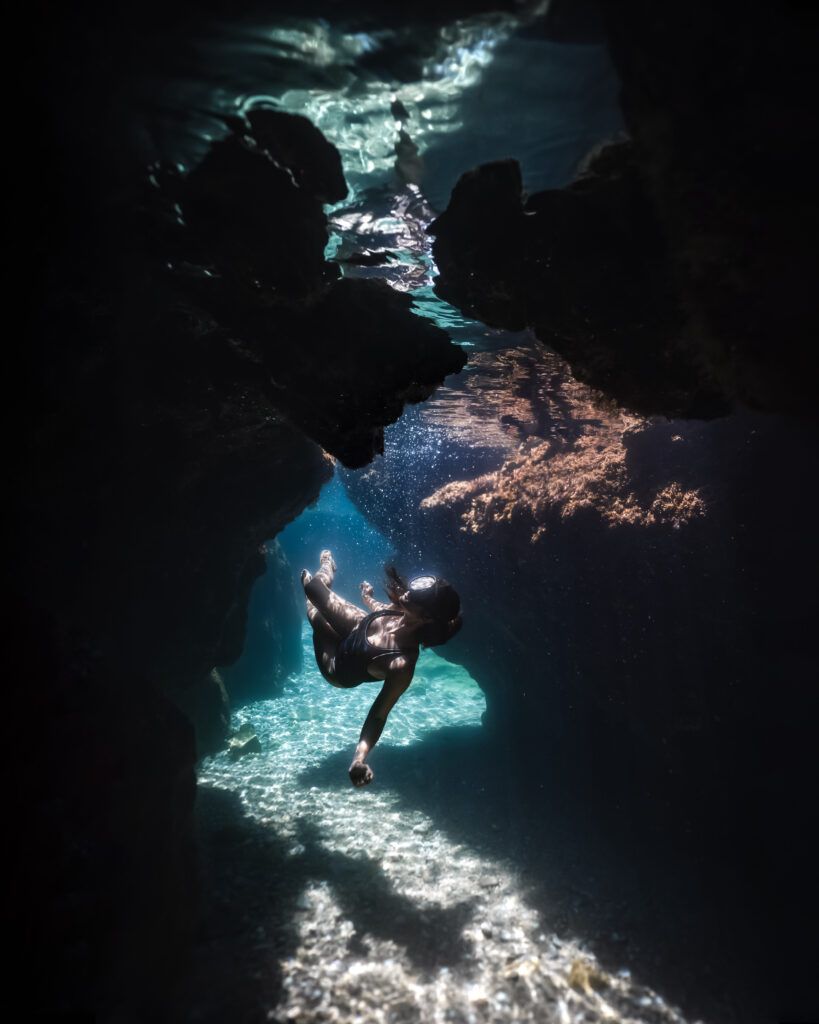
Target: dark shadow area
<point x="431" y="936"/>
<point x="251" y="882"/>
<point x="249" y="888"/>
<point x="641" y="892"/>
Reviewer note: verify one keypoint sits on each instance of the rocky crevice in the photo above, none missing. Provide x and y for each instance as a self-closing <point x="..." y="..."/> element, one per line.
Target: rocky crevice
<point x="197" y="360"/>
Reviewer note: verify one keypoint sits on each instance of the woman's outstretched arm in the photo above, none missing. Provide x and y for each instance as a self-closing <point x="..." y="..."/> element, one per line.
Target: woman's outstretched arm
<point x="360" y="772"/>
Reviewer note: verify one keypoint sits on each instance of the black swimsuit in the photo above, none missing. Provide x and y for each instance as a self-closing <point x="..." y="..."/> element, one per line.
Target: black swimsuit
<point x="355" y="652"/>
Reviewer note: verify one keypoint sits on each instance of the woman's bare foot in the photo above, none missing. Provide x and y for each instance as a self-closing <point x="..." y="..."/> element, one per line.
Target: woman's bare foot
<point x="325" y="557"/>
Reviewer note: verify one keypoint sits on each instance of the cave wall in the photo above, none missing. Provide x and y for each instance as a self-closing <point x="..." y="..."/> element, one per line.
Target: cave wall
<point x="673" y="275"/>
<point x="717" y="98"/>
<point x="674" y="272"/>
<point x="272" y="648"/>
<point x="642" y="582"/>
<point x="633" y="571"/>
<point x="195" y="364"/>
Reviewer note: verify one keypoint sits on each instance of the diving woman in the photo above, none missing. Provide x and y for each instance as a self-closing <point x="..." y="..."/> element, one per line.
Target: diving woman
<point x="354" y="647"/>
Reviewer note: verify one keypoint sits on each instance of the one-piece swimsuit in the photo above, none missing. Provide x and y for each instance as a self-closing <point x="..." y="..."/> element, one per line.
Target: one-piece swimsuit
<point x="355" y="652"/>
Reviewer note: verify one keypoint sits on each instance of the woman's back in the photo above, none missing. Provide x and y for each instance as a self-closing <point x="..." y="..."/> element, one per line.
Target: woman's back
<point x="362" y="646"/>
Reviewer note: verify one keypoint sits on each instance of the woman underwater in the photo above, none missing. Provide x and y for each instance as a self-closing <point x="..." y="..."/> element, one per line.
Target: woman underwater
<point x="354" y="647"/>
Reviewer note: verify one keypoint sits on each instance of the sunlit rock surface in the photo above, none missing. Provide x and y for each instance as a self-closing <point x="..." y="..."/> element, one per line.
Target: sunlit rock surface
<point x="566" y="459"/>
<point x="363" y="905"/>
<point x="548" y="537"/>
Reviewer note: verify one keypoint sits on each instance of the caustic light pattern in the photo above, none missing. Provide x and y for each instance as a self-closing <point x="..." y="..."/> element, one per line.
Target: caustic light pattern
<point x="463" y="944"/>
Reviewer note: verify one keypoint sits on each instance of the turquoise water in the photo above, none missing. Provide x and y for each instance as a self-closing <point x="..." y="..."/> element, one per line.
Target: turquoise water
<point x="413" y="917"/>
<point x="465" y="942"/>
<point x="312" y="720"/>
<point x="457" y="935"/>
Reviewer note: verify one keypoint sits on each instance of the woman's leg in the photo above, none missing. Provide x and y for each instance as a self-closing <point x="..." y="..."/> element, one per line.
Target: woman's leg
<point x="325" y="642"/>
<point x="321" y="627"/>
<point x="340" y="615"/>
<point x="327" y="568"/>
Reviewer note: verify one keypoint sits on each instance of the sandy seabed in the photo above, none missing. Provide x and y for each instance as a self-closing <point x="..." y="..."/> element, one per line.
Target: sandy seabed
<point x="330" y="904"/>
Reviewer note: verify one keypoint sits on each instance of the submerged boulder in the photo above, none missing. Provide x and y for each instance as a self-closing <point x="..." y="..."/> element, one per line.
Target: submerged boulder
<point x="718" y="100"/>
<point x="243" y="742"/>
<point x="339" y="358"/>
<point x="587" y="268"/>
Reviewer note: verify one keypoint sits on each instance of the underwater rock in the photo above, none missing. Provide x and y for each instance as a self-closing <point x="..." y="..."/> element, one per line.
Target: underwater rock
<point x="294" y="142"/>
<point x="718" y="107"/>
<point x="272" y="648"/>
<point x="194" y="354"/>
<point x="665" y="269"/>
<point x="368" y="355"/>
<point x="207" y="706"/>
<point x="244" y="741"/>
<point x="250" y="239"/>
<point x="251" y="210"/>
<point x="586" y="268"/>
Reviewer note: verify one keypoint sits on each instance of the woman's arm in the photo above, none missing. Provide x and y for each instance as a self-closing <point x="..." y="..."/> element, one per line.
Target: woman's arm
<point x="369" y="600"/>
<point x="394" y="685"/>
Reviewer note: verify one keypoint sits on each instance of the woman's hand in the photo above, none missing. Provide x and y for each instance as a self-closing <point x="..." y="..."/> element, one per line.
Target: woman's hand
<point x="368" y="599"/>
<point x="360" y="773"/>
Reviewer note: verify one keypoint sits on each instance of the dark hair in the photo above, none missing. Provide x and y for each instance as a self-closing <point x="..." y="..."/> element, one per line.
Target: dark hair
<point x="443" y="605"/>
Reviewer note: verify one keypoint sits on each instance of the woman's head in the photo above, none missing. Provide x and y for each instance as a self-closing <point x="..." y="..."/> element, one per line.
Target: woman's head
<point x="432" y="600"/>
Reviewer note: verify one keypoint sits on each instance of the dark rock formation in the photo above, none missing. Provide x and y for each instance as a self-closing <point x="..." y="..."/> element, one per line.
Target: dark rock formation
<point x="586" y="267"/>
<point x="250" y="242"/>
<point x="675" y="273"/>
<point x="206" y="704"/>
<point x="194" y="353"/>
<point x="718" y="99"/>
<point x="243" y="742"/>
<point x="272" y="648"/>
<point x="100" y="827"/>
